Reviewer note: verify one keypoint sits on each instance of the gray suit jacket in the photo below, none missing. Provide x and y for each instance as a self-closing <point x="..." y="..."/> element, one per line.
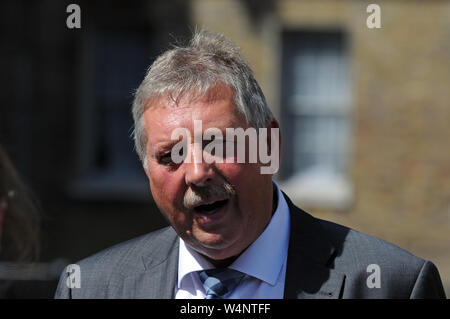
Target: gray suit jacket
<point x="325" y="260"/>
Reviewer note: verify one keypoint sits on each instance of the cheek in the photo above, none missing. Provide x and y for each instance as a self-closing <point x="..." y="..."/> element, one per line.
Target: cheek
<point x="165" y="187"/>
<point x="250" y="185"/>
<point x="168" y="191"/>
<point x="242" y="176"/>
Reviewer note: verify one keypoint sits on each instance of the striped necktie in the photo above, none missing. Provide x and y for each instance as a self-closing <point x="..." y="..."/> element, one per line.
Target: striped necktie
<point x="220" y="281"/>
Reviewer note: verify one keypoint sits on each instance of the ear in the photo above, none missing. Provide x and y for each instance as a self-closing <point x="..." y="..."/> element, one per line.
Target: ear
<point x="273" y="124"/>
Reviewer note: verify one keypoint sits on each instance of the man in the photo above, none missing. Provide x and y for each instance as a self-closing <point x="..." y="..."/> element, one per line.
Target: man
<point x="234" y="233"/>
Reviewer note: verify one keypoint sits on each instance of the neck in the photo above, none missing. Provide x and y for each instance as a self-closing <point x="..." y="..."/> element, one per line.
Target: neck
<point x="224" y="263"/>
<point x="274" y="199"/>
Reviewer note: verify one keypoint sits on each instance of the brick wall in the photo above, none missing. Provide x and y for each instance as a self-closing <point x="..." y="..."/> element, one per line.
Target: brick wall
<point x="401" y="117"/>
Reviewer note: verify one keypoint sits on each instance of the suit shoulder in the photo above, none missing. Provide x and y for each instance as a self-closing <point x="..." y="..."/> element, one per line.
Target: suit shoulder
<point x="363" y="258"/>
<point x="354" y="247"/>
<point x="116" y="262"/>
<point x="127" y="255"/>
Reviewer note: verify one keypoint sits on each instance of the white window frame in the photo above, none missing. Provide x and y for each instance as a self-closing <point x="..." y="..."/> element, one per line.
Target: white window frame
<point x="319" y="187"/>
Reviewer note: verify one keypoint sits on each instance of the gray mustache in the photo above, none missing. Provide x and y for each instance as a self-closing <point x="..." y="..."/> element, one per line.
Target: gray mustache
<point x="196" y="195"/>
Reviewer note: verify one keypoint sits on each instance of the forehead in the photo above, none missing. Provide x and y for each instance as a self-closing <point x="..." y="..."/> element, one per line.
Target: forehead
<point x="217" y="93"/>
<point x="216" y="108"/>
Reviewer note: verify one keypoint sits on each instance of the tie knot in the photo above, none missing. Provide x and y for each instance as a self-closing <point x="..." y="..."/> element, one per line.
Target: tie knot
<point x="219" y="282"/>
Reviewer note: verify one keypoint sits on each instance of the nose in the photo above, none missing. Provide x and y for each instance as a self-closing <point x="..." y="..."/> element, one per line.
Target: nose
<point x="198" y="172"/>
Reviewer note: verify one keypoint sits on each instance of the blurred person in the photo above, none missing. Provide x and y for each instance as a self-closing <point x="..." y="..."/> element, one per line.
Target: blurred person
<point x="233" y="233"/>
<point x="19" y="220"/>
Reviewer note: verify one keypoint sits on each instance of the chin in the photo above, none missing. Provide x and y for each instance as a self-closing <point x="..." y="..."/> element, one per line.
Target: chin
<point x="214" y="246"/>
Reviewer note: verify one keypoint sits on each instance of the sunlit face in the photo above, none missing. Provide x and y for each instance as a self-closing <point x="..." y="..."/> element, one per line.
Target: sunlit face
<point x="227" y="223"/>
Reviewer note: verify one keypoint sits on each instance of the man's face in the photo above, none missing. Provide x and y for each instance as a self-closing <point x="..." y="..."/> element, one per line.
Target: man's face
<point x="218" y="224"/>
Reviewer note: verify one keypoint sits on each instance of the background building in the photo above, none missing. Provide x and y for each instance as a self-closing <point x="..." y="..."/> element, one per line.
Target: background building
<point x="364" y="112"/>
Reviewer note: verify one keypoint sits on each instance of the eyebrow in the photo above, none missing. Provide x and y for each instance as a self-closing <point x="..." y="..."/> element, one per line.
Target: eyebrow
<point x="164" y="145"/>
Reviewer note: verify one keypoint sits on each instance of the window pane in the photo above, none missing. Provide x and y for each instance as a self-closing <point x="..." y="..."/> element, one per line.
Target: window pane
<point x="114" y="66"/>
<point x="317" y="95"/>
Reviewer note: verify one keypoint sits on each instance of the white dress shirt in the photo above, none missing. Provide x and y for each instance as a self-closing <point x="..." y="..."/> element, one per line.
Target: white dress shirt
<point x="263" y="262"/>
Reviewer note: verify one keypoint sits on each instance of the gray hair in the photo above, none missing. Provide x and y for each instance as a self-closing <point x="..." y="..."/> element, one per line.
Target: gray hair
<point x="208" y="60"/>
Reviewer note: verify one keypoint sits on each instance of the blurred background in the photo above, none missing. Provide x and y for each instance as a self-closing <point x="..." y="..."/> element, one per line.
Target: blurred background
<point x="365" y="116"/>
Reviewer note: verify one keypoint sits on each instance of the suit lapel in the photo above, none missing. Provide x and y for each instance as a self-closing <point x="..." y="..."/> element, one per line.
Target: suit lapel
<point x="307" y="274"/>
<point x="160" y="270"/>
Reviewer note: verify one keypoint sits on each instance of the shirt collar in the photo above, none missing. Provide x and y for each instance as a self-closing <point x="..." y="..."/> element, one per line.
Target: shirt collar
<point x="263" y="259"/>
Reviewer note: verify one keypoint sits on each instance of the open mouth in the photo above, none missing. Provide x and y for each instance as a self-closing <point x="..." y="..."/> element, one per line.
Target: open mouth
<point x="211" y="208"/>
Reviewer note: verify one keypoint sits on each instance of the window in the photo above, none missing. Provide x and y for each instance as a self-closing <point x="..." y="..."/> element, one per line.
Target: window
<point x="106" y="164"/>
<point x="316" y="117"/>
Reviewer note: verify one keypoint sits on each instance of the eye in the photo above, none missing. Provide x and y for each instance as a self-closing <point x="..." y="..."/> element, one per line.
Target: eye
<point x="215" y="147"/>
<point x="165" y="159"/>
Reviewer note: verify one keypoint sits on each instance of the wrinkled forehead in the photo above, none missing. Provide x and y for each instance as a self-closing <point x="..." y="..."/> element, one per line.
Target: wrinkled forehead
<point x="215" y="109"/>
<point x="184" y="98"/>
